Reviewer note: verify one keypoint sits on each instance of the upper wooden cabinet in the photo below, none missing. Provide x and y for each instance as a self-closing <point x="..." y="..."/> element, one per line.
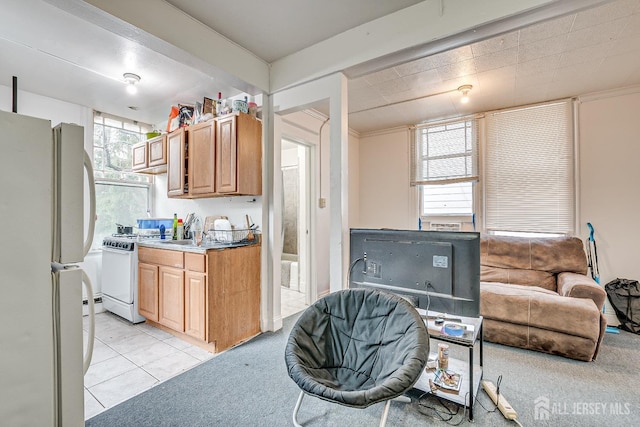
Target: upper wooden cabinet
<point x="158" y="151"/>
<point x="139" y="157"/>
<point x="239" y="155"/>
<point x="202" y="154"/>
<point x="150" y="156"/>
<point x="177" y="164"/>
<point x="220" y="157"/>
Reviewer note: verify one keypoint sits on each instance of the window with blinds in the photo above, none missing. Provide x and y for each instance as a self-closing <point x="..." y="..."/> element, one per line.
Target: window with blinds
<point x="443" y="153"/>
<point x="444" y="165"/>
<point x="529" y="169"/>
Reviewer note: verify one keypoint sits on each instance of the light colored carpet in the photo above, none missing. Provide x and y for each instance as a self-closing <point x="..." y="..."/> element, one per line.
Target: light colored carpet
<point x="249" y="386"/>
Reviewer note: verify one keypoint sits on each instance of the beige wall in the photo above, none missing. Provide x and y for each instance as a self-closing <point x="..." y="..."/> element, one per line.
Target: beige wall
<point x="609" y="180"/>
<point x="386" y="199"/>
<point x="609" y="164"/>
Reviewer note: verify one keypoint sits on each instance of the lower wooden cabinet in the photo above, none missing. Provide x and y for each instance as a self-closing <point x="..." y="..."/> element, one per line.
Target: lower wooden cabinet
<point x="212" y="297"/>
<point x="195" y="304"/>
<point x="234" y="295"/>
<point x="148" y="291"/>
<point x="171" y="297"/>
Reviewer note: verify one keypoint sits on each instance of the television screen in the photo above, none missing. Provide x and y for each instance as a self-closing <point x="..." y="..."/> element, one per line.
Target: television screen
<point x="436" y="270"/>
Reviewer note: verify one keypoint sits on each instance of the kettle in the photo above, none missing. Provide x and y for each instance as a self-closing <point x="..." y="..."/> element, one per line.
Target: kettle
<point x="122" y="229"/>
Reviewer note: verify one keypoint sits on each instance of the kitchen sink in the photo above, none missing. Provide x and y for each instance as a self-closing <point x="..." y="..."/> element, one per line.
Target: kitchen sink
<point x="178" y="242"/>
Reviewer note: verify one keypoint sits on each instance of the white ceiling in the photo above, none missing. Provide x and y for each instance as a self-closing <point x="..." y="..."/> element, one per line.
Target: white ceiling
<point x="576" y="54"/>
<point x="276" y="28"/>
<point x="57" y="54"/>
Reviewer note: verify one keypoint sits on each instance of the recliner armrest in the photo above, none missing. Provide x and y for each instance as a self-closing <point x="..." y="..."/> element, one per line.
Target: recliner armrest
<point x="580" y="286"/>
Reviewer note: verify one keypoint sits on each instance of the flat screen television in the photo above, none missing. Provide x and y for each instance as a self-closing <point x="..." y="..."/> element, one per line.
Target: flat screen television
<point x="436" y="270"/>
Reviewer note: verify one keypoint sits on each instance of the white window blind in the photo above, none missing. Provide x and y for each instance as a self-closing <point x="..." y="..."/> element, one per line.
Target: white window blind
<point x="444" y="153"/>
<point x="529" y="169"/>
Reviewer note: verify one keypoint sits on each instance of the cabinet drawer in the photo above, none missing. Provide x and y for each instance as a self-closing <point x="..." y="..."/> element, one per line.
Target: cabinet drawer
<point x="195" y="262"/>
<point x="161" y="257"/>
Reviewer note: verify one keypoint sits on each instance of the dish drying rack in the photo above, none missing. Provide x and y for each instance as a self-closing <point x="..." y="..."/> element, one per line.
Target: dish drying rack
<point x="249" y="233"/>
<point x="236" y="235"/>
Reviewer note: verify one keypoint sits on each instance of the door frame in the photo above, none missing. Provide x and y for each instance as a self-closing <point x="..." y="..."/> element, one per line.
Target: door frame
<point x="309" y="272"/>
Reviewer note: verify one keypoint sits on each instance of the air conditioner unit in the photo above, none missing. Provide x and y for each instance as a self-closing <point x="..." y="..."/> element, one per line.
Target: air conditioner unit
<point x="445" y="226"/>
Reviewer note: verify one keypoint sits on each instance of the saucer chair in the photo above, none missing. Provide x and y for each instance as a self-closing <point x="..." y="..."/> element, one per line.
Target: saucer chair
<point x="357" y="347"/>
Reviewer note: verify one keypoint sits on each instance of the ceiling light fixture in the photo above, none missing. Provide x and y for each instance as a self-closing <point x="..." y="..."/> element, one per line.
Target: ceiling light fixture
<point x="464" y="89"/>
<point x="465" y="93"/>
<point x="131" y="80"/>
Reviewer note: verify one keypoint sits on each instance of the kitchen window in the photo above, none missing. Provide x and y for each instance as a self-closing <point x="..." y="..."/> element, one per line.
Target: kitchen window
<point x="121" y="195"/>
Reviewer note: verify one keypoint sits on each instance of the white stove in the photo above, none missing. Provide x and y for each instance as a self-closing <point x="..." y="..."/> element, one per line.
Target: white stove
<point x="120" y="242"/>
<point x="120" y="276"/>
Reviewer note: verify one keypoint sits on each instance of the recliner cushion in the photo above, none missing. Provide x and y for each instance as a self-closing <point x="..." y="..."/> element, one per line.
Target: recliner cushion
<point x="539" y="308"/>
<point x="517" y="276"/>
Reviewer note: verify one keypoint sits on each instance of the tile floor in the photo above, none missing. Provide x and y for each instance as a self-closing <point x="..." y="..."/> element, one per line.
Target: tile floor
<point x="129" y="359"/>
<point x="291" y="302"/>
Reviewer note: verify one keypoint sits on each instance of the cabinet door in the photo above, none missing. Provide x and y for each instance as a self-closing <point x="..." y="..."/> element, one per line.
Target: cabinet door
<point x="226" y="155"/>
<point x="139" y="156"/>
<point x="148" y="291"/>
<point x="234" y="295"/>
<point x="176" y="157"/>
<point x="195" y="285"/>
<point x="171" y="293"/>
<point x="157" y="151"/>
<point x="249" y="151"/>
<point x="202" y="152"/>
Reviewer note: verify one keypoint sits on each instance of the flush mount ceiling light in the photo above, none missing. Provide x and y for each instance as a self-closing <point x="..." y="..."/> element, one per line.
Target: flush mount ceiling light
<point x="131" y="80"/>
<point x="464" y="89"/>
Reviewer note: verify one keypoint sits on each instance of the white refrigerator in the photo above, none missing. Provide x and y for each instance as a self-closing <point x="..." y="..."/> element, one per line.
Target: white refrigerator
<point x="41" y="241"/>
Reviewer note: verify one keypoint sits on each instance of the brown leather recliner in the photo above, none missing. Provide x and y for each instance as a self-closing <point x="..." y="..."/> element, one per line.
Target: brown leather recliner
<point x="535" y="294"/>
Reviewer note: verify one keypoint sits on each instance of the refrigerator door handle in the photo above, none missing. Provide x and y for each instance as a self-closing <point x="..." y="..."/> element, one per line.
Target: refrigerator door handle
<point x="92" y="206"/>
<point x="86" y="361"/>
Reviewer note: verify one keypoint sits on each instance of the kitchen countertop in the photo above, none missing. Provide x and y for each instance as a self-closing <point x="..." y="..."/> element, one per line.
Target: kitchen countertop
<point x="190" y="247"/>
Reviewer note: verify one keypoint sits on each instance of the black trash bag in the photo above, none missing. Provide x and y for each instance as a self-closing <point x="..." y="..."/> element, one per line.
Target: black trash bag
<point x="624" y="296"/>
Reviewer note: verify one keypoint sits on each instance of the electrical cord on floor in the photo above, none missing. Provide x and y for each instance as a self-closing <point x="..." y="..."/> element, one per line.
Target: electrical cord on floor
<point x="495" y="404"/>
<point x="443" y="410"/>
<point x="498" y="382"/>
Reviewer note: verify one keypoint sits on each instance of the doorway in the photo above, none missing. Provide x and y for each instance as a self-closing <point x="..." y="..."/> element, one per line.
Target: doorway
<point x="296" y="214"/>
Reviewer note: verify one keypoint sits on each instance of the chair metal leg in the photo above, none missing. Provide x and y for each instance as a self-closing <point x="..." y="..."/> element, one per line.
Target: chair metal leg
<point x="385" y="413"/>
<point x="296" y="409"/>
<point x="383" y="420"/>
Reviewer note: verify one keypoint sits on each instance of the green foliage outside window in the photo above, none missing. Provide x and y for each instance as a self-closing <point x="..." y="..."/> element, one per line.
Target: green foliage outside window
<point x="121" y="195"/>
